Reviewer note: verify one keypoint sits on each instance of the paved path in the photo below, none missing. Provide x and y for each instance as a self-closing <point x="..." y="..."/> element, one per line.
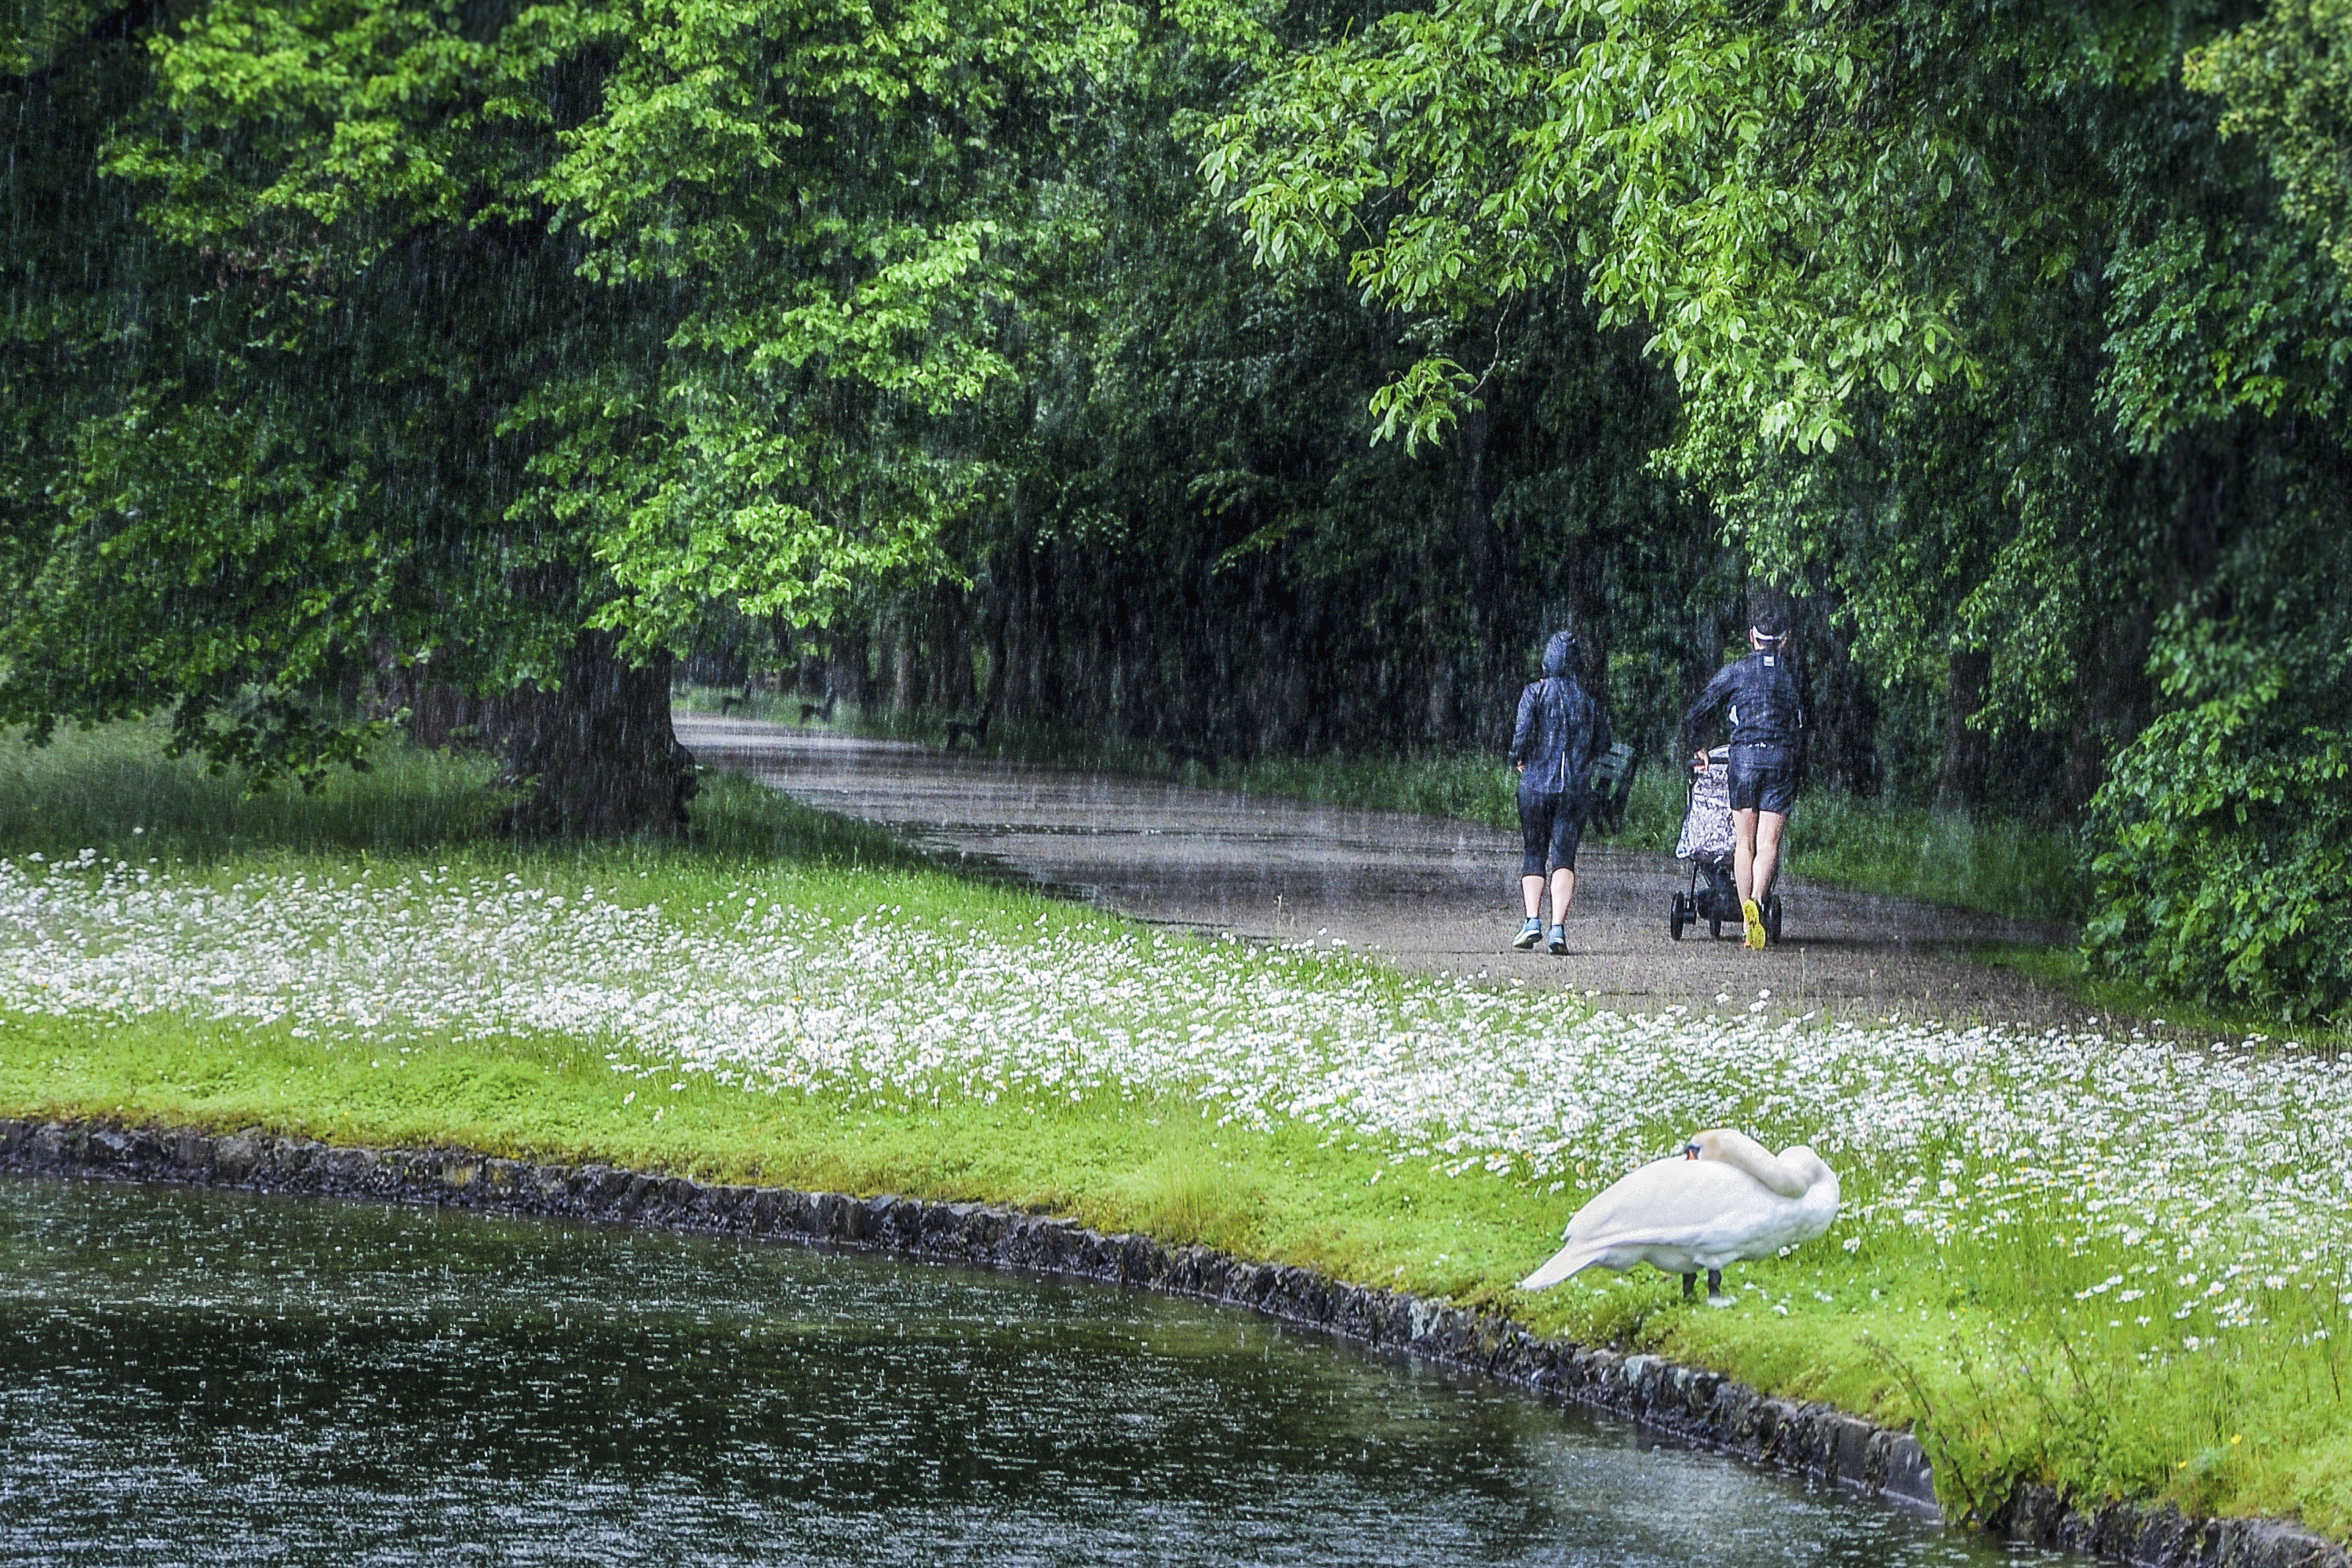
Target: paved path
<point x="1432" y="893"/>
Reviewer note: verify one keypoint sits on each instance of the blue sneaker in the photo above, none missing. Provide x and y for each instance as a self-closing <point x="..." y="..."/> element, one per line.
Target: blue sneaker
<point x="1558" y="939"/>
<point x="1529" y="935"/>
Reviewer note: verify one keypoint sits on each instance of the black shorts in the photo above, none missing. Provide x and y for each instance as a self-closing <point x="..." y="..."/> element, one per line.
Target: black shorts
<point x="1550" y="826"/>
<point x="1759" y="787"/>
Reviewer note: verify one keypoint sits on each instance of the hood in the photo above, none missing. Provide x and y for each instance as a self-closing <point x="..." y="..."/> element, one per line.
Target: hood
<point x="1559" y="655"/>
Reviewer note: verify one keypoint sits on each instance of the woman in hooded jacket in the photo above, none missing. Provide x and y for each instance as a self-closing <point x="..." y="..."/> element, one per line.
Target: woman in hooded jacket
<point x="1559" y="733"/>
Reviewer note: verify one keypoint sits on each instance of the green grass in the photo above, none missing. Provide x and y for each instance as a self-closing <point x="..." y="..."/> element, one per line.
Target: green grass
<point x="1991" y="865"/>
<point x="1982" y="1342"/>
<point x="2065" y="970"/>
<point x="112" y="789"/>
<point x="2020" y="869"/>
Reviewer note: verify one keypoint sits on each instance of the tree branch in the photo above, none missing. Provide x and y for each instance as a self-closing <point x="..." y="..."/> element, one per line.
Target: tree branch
<point x="116" y="25"/>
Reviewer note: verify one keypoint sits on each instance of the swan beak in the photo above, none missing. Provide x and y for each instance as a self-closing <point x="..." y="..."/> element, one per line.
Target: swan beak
<point x="1690" y="1151"/>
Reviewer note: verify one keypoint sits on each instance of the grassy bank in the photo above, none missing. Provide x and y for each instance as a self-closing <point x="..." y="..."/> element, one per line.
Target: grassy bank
<point x="2114" y="1264"/>
<point x="2132" y="1004"/>
<point x="2021" y="869"/>
<point x="113" y="791"/>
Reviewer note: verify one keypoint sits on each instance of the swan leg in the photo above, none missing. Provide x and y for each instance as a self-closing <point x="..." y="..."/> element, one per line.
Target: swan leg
<point x="1715" y="1296"/>
<point x="1690" y="1284"/>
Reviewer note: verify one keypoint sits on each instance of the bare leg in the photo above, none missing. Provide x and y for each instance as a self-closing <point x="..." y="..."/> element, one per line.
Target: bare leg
<point x="1563" y="893"/>
<point x="1769" y="827"/>
<point x="1743" y="851"/>
<point x="1531" y="894"/>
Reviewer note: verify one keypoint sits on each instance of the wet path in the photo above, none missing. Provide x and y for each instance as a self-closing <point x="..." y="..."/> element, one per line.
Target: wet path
<point x="1432" y="893"/>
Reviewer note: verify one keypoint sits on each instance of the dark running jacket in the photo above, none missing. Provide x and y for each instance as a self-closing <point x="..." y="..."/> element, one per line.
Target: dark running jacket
<point x="1766" y="705"/>
<point x="1560" y="730"/>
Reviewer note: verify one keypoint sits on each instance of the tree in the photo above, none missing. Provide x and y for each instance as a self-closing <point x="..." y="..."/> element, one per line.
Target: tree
<point x="2287" y="79"/>
<point x="414" y="333"/>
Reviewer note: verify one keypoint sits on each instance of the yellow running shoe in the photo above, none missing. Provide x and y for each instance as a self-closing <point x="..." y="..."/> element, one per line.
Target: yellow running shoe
<point x="1754" y="916"/>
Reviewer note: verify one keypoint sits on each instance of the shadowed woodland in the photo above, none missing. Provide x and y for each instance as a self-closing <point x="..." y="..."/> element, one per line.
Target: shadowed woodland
<point x="1262" y="378"/>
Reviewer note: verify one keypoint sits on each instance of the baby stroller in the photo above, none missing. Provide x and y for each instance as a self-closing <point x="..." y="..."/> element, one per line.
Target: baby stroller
<point x="1706" y="842"/>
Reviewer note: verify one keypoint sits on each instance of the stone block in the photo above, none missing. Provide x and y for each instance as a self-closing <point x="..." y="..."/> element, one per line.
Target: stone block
<point x="1846" y="1444"/>
<point x="1902" y="1471"/>
<point x="234" y="1159"/>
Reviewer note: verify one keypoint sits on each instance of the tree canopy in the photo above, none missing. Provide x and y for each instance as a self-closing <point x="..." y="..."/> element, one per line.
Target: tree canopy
<point x="345" y="333"/>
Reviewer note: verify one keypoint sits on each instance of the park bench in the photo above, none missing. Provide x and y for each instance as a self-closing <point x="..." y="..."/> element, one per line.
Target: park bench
<point x="972" y="729"/>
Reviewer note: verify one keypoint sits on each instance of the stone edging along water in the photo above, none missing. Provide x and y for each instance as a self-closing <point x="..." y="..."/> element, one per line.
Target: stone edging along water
<point x="1690" y="1403"/>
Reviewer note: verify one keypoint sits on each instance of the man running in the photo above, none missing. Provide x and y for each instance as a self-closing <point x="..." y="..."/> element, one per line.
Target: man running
<point x="1767" y="711"/>
<point x="1560" y="730"/>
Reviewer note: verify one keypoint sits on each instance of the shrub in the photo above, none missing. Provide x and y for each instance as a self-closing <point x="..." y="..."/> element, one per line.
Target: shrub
<point x="2222" y="839"/>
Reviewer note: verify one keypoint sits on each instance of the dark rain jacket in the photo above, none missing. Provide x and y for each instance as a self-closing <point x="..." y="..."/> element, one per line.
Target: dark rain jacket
<point x="1766" y="705"/>
<point x="1560" y="730"/>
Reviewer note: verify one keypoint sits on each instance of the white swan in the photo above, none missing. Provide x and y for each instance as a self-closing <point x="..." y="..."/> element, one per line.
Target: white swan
<point x="1724" y="1197"/>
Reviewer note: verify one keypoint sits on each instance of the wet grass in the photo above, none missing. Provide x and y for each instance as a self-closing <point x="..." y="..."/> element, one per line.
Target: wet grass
<point x="113" y="791"/>
<point x="2021" y="869"/>
<point x="2121" y="998"/>
<point x="2019" y="1353"/>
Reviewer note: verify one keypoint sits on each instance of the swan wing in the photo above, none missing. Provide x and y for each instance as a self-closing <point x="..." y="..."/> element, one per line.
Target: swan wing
<point x="1666" y="1200"/>
<point x="1792" y="1222"/>
<point x="1660" y="1201"/>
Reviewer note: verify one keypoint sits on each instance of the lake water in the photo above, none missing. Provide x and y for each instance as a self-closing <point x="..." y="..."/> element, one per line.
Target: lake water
<point x="196" y="1376"/>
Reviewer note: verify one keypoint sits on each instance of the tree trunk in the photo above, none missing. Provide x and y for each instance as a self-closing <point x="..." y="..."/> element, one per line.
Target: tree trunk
<point x="2116" y="696"/>
<point x="1484" y="667"/>
<point x="597" y="751"/>
<point x="1437" y="726"/>
<point x="1960" y="784"/>
<point x="1588" y="617"/>
<point x="845" y="676"/>
<point x="952" y="688"/>
<point x="1841" y="752"/>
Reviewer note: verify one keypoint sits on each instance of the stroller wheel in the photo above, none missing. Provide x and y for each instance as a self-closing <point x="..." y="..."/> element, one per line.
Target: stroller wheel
<point x="1714" y="929"/>
<point x="1676" y="919"/>
<point x="1772" y="919"/>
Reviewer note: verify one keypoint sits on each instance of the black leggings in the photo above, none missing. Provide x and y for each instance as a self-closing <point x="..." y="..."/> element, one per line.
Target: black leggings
<point x="1549" y="826"/>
